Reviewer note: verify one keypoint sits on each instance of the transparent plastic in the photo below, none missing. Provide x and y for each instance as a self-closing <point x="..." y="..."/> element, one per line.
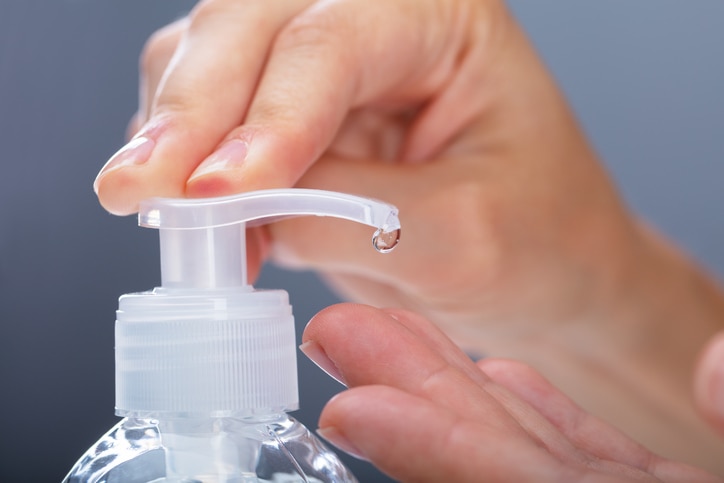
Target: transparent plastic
<point x="221" y="352"/>
<point x="205" y="364"/>
<point x="276" y="449"/>
<point x="203" y="242"/>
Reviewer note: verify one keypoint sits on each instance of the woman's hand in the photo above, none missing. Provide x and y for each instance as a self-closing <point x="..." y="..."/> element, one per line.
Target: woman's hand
<point x="440" y="107"/>
<point x="514" y="240"/>
<point x="421" y="410"/>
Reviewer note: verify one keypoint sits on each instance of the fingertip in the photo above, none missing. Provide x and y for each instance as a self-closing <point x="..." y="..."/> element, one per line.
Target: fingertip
<point x="157" y="162"/>
<point x="120" y="190"/>
<point x="338" y="439"/>
<point x="224" y="160"/>
<point x="213" y="185"/>
<point x="219" y="174"/>
<point x="709" y="382"/>
<point x="252" y="158"/>
<point x="317" y="354"/>
<point x="408" y="437"/>
<point x="351" y="343"/>
<point x="334" y="321"/>
<point x="134" y="153"/>
<point x="350" y="423"/>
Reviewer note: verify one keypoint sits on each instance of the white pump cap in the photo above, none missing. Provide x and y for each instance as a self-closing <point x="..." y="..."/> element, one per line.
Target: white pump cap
<point x="206" y="343"/>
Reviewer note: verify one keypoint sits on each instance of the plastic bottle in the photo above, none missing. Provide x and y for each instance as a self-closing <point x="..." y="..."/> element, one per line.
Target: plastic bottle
<point x="206" y="364"/>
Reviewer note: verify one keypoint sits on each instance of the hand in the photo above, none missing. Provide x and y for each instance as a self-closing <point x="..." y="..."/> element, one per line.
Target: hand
<point x="514" y="240"/>
<point x="373" y="92"/>
<point x="421" y="410"/>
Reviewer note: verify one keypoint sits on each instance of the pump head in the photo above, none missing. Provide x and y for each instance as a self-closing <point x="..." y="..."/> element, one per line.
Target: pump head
<point x="205" y="342"/>
<point x="203" y="242"/>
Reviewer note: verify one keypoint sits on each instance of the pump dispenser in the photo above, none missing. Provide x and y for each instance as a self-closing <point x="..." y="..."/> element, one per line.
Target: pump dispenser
<point x="205" y="364"/>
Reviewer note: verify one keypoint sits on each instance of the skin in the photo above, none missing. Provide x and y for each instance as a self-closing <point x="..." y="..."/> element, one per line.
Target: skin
<point x="441" y="417"/>
<point x="515" y="242"/>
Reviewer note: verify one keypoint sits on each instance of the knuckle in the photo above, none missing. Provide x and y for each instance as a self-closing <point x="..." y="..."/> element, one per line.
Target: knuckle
<point x="160" y="46"/>
<point x="176" y="103"/>
<point x="312" y="29"/>
<point x="206" y="10"/>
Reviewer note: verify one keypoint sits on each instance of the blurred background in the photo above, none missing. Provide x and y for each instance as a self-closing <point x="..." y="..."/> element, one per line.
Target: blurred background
<point x="645" y="79"/>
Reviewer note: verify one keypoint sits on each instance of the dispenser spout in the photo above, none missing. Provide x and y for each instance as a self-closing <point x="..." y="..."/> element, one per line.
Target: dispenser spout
<point x="203" y="242"/>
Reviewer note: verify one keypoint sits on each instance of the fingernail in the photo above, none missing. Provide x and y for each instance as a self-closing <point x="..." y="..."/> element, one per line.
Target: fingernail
<point x="316" y="353"/>
<point x="136" y="152"/>
<point x="337" y="439"/>
<point x="230" y="154"/>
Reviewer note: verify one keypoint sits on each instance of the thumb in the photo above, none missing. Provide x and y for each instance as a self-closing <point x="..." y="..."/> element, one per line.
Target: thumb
<point x="709" y="382"/>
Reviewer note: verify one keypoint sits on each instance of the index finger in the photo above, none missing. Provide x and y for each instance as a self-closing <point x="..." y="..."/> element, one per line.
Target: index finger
<point x="368" y="346"/>
<point x="332" y="58"/>
<point x="203" y="93"/>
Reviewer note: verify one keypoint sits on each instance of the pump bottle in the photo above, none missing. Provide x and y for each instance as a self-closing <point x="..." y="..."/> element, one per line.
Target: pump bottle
<point x="205" y="364"/>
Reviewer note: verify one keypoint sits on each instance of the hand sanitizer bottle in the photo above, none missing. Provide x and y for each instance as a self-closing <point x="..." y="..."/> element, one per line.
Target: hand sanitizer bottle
<point x="206" y="364"/>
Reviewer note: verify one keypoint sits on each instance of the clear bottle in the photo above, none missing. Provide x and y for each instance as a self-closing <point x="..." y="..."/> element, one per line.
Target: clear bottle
<point x="206" y="364"/>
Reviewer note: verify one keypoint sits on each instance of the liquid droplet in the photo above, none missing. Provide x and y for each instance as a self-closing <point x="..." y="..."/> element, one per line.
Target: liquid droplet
<point x="385" y="241"/>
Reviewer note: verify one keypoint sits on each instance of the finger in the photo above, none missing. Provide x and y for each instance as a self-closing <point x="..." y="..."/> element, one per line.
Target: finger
<point x="430" y="335"/>
<point x="157" y="54"/>
<point x="413" y="439"/>
<point x="584" y="430"/>
<point x="463" y="99"/>
<point x="367" y="346"/>
<point x="709" y="382"/>
<point x="203" y="93"/>
<point x="330" y="59"/>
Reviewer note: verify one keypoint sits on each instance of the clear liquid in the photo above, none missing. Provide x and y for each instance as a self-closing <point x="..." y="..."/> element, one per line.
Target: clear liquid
<point x="385" y="241"/>
<point x="279" y="450"/>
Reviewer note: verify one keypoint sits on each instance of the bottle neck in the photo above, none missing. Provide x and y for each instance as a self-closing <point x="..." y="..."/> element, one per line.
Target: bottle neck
<point x="219" y="449"/>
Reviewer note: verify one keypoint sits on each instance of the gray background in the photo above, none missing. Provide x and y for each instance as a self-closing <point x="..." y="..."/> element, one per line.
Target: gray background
<point x="645" y="78"/>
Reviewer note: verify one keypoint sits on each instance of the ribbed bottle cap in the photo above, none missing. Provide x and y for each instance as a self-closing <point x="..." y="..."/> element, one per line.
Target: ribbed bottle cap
<point x="224" y="352"/>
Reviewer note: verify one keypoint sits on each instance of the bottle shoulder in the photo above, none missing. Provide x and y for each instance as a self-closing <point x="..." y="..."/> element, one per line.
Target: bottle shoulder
<point x="272" y="449"/>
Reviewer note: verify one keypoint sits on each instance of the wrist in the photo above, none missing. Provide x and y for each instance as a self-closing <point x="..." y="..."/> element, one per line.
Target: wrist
<point x="633" y="361"/>
<point x="667" y="310"/>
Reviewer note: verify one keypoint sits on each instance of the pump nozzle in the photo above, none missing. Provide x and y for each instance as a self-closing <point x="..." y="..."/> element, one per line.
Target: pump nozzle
<point x="206" y="343"/>
<point x="203" y="243"/>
